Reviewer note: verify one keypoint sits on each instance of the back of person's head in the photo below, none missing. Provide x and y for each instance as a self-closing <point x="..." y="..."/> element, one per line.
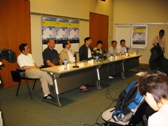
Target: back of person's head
<point x="99" y="42"/>
<point x="86" y="39"/>
<point x="64" y="43"/>
<point x="22" y="47"/>
<point x="49" y="39"/>
<point x="122" y="40"/>
<point x="113" y="41"/>
<point x="155" y="83"/>
<point x="161" y="32"/>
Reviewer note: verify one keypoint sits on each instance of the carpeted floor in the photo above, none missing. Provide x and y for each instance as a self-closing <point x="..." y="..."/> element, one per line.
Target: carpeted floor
<point x="78" y="108"/>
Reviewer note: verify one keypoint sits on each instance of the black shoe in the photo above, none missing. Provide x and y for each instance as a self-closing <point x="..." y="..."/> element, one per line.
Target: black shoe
<point x="52" y="89"/>
<point x="49" y="97"/>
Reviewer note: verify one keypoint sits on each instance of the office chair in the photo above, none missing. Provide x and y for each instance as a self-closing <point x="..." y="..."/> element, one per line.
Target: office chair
<point x="136" y="118"/>
<point x="19" y="75"/>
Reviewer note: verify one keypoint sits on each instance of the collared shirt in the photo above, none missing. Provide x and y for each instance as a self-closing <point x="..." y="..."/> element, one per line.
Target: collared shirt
<point x="51" y="55"/>
<point x="67" y="54"/>
<point x="71" y="56"/>
<point x="89" y="52"/>
<point x="159" y="118"/>
<point x="83" y="52"/>
<point x="25" y="60"/>
<point x="112" y="51"/>
<point x="122" y="49"/>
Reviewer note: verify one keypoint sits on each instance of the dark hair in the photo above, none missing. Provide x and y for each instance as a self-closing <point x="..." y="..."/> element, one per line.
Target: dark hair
<point x="87" y="38"/>
<point x="48" y="40"/>
<point x="155" y="83"/>
<point x="113" y="41"/>
<point x="99" y="42"/>
<point x="22" y="47"/>
<point x="161" y="32"/>
<point x="122" y="40"/>
<point x="64" y="43"/>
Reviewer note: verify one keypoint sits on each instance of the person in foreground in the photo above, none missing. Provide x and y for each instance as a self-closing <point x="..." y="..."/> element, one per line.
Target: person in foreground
<point x="154" y="86"/>
<point x="26" y="62"/>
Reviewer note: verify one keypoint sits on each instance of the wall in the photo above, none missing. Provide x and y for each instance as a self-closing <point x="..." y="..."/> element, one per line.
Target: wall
<point x="73" y="9"/>
<point x="15" y="29"/>
<point x="151" y="12"/>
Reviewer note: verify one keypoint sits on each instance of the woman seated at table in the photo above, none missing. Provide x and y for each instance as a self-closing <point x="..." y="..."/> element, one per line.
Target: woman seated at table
<point x="98" y="50"/>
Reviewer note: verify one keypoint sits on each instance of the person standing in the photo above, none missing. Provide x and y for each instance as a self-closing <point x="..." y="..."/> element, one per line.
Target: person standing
<point x="160" y="40"/>
<point x="26" y="62"/>
<point x="85" y="51"/>
<point x="50" y="55"/>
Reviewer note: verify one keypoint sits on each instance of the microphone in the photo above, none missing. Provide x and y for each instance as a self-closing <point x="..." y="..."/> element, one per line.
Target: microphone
<point x="104" y="51"/>
<point x="127" y="48"/>
<point x="76" y="66"/>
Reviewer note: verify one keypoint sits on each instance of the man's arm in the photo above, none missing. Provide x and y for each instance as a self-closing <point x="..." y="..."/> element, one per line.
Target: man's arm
<point x="49" y="63"/>
<point x="60" y="62"/>
<point x="81" y="53"/>
<point x="30" y="67"/>
<point x="154" y="41"/>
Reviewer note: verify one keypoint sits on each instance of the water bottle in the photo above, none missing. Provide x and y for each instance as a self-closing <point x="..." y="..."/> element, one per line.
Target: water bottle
<point x="65" y="64"/>
<point x="126" y="54"/>
<point x="97" y="58"/>
<point x="114" y="54"/>
<point x="137" y="52"/>
<point x="120" y="54"/>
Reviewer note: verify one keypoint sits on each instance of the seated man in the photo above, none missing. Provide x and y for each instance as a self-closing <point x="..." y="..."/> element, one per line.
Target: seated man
<point x="113" y="49"/>
<point x="26" y="62"/>
<point x="85" y="51"/>
<point x="122" y="48"/>
<point x="50" y="55"/>
<point x="67" y="52"/>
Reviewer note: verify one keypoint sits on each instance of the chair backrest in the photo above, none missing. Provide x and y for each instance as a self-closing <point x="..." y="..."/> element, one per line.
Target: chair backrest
<point x="138" y="116"/>
<point x="1" y="82"/>
<point x="16" y="76"/>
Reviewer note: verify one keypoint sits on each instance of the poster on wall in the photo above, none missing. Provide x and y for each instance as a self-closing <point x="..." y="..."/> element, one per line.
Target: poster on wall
<point x="60" y="29"/>
<point x="74" y="30"/>
<point x="139" y="36"/>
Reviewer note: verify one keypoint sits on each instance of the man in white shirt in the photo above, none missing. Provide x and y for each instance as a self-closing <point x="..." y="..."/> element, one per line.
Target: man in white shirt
<point x="26" y="62"/>
<point x="113" y="49"/>
<point x="122" y="48"/>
